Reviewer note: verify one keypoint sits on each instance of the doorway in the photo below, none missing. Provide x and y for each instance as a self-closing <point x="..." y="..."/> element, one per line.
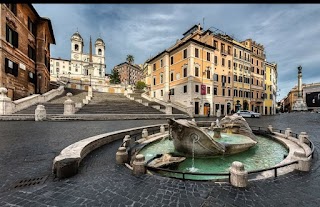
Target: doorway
<point x="196" y="107"/>
<point x="228" y="108"/>
<point x="206" y="109"/>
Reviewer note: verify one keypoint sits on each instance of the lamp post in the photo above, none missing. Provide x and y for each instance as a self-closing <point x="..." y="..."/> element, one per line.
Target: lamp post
<point x="69" y="77"/>
<point x="39" y="85"/>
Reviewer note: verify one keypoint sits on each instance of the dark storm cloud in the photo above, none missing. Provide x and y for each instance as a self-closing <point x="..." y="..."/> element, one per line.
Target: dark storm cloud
<point x="288" y="32"/>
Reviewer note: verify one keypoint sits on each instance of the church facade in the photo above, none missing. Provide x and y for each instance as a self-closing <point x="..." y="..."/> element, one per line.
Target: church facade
<point x="81" y="65"/>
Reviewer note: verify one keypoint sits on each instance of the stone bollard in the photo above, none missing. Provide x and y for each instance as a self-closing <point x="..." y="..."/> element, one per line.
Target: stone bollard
<point x="162" y="129"/>
<point x="303" y="137"/>
<point x="5" y="102"/>
<point x="270" y="128"/>
<point x="304" y="163"/>
<point x="288" y="132"/>
<point x="145" y="133"/>
<point x="69" y="105"/>
<point x="169" y="108"/>
<point x="126" y="140"/>
<point x="238" y="175"/>
<point x="138" y="165"/>
<point x="122" y="155"/>
<point x="40" y="113"/>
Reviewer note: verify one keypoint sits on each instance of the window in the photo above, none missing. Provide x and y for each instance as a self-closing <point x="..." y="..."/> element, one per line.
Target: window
<point x="235" y="92"/>
<point x="229" y="50"/>
<point x="208" y="90"/>
<point x="172" y="91"/>
<point x="208" y="74"/>
<point x="258" y="95"/>
<point x="235" y="77"/>
<point x="197" y="88"/>
<point x="257" y="63"/>
<point x="208" y="56"/>
<point x="222" y="47"/>
<point x="229" y="92"/>
<point x="258" y="71"/>
<point x="271" y="96"/>
<point x="171" y="77"/>
<point x="154" y="81"/>
<point x="223" y="92"/>
<point x="240" y="93"/>
<point x="161" y="63"/>
<point x="257" y="82"/>
<point x="161" y="78"/>
<point x="32" y="78"/>
<point x="252" y="69"/>
<point x="31" y="27"/>
<point x="171" y="60"/>
<point x="229" y="79"/>
<point x="196" y="71"/>
<point x="12" y="36"/>
<point x="240" y="79"/>
<point x="185" y="72"/>
<point x="31" y="53"/>
<point x="99" y="52"/>
<point x="154" y="66"/>
<point x="215" y="44"/>
<point x="13" y="8"/>
<point x="196" y="52"/>
<point x="240" y="55"/>
<point x="222" y="63"/>
<point x="185" y="89"/>
<point x="185" y="53"/>
<point x="161" y="92"/>
<point x="215" y="77"/>
<point x="215" y="60"/>
<point x="229" y="63"/>
<point x="11" y="67"/>
<point x="154" y="94"/>
<point x="235" y="52"/>
<point x="262" y="72"/>
<point x="215" y="91"/>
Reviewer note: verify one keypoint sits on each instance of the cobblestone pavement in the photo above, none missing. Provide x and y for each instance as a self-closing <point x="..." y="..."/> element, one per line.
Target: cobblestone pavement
<point x="100" y="182"/>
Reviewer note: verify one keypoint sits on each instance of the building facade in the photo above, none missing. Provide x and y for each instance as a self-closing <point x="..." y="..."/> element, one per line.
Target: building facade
<point x="81" y="66"/>
<point x="24" y="50"/>
<point x="208" y="72"/>
<point x="271" y="76"/>
<point x="129" y="73"/>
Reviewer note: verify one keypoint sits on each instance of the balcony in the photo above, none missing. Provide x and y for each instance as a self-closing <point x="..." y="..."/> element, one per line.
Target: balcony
<point x="224" y="52"/>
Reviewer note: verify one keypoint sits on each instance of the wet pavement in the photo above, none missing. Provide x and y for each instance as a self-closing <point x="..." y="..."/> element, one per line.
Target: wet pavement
<point x="28" y="148"/>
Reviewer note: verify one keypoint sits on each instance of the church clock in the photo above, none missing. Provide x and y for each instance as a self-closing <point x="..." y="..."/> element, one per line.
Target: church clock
<point x="76" y="56"/>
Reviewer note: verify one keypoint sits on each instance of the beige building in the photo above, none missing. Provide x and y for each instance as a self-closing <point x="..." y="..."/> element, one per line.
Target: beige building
<point x="24" y="50"/>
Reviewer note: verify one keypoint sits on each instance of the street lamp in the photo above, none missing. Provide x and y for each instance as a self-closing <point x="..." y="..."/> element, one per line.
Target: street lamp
<point x="39" y="85"/>
<point x="69" y="77"/>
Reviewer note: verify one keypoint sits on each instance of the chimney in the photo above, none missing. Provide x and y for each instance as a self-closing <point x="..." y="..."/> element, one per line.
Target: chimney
<point x="199" y="26"/>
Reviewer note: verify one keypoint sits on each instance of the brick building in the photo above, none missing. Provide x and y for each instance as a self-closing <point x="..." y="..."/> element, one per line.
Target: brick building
<point x="24" y="50"/>
<point x="129" y="73"/>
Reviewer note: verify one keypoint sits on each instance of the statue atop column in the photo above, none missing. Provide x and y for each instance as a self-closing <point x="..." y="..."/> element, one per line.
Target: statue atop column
<point x="299" y="104"/>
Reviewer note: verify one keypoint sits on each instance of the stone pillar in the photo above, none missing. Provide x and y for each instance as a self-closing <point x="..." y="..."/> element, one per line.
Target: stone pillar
<point x="40" y="113"/>
<point x="239" y="176"/>
<point x="122" y="155"/>
<point x="138" y="165"/>
<point x="90" y="94"/>
<point x="145" y="133"/>
<point x="288" y="132"/>
<point x="303" y="137"/>
<point x="304" y="163"/>
<point x="169" y="108"/>
<point x="270" y="128"/>
<point x="162" y="129"/>
<point x="126" y="140"/>
<point x="6" y="105"/>
<point x="69" y="105"/>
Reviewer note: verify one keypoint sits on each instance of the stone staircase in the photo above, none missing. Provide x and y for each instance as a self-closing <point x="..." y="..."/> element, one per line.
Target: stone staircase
<point x="137" y="95"/>
<point x="113" y="103"/>
<point x="55" y="105"/>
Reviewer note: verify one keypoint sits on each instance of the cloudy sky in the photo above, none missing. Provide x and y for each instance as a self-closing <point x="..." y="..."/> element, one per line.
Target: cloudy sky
<point x="289" y="32"/>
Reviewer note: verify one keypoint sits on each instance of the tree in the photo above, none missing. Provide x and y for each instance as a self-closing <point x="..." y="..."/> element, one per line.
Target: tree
<point x="130" y="60"/>
<point x="114" y="77"/>
<point x="140" y="85"/>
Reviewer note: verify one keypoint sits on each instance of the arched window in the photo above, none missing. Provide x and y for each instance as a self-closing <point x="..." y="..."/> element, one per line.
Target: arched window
<point x="76" y="47"/>
<point x="99" y="51"/>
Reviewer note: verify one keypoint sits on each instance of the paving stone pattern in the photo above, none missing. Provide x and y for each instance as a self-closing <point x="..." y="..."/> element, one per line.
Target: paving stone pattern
<point x="100" y="182"/>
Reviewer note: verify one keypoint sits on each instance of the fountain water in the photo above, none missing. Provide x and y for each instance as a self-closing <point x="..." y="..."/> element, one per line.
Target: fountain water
<point x="194" y="139"/>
